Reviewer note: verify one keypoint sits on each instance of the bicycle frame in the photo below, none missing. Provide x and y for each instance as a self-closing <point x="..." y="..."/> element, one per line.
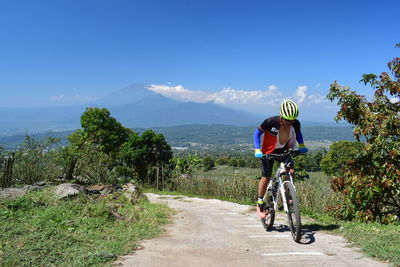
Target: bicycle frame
<point x="282" y="170"/>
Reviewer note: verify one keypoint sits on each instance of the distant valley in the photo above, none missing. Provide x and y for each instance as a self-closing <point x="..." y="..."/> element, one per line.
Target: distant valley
<point x="193" y="135"/>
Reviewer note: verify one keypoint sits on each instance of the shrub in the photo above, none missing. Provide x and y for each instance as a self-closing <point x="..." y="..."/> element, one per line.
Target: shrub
<point x="340" y="154"/>
<point x="371" y="183"/>
<point x="36" y="161"/>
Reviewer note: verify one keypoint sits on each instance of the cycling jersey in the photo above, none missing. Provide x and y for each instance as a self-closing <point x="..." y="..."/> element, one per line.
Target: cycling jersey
<point x="270" y="128"/>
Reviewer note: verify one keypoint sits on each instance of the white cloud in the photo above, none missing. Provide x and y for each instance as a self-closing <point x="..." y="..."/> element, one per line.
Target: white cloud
<point x="301" y="97"/>
<point x="180" y="93"/>
<point x="394" y="100"/>
<point x="242" y="97"/>
<point x="255" y="101"/>
<point x="75" y="99"/>
<point x="57" y="97"/>
<point x="316" y="98"/>
<point x="301" y="93"/>
<point x="226" y="96"/>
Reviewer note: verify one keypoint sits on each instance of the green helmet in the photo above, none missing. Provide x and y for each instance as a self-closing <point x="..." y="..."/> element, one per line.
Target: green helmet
<point x="289" y="110"/>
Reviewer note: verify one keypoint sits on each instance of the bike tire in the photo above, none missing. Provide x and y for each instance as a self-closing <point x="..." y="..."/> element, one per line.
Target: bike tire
<point x="293" y="212"/>
<point x="268" y="222"/>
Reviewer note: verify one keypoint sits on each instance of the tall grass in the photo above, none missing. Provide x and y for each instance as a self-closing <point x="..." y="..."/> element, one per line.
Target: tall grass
<point x="240" y="184"/>
<point x="242" y="189"/>
<point x="315" y="194"/>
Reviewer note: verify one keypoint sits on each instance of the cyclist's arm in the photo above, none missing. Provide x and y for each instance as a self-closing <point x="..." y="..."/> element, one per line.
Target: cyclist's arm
<point x="299" y="136"/>
<point x="257" y="135"/>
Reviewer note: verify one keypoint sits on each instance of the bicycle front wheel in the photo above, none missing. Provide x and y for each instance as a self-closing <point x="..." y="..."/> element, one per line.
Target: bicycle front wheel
<point x="293" y="212"/>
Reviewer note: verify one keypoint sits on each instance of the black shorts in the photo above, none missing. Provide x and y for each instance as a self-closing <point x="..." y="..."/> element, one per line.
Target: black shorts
<point x="267" y="165"/>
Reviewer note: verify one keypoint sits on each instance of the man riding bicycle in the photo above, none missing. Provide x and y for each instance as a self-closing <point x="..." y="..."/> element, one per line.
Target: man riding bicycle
<point x="280" y="133"/>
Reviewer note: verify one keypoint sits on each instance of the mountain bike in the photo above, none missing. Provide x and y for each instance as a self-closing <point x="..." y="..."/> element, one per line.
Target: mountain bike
<point x="282" y="182"/>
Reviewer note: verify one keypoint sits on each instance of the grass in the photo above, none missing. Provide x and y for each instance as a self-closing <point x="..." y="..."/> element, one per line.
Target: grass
<point x="224" y="171"/>
<point x="39" y="230"/>
<point x="315" y="195"/>
<point x="376" y="240"/>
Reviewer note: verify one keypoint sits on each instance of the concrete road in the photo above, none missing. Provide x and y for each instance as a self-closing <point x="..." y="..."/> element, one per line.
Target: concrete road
<point x="209" y="232"/>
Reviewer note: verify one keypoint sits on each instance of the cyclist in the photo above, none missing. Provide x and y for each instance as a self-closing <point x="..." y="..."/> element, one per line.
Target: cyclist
<point x="280" y="133"/>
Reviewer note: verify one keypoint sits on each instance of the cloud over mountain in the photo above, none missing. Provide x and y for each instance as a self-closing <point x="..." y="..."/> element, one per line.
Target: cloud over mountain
<point x="254" y="101"/>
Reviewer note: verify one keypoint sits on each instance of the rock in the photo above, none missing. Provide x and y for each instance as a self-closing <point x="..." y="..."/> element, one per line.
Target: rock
<point x="30" y="188"/>
<point x="96" y="187"/>
<point x="103" y="189"/>
<point x="132" y="192"/>
<point x="14" y="193"/>
<point x="66" y="190"/>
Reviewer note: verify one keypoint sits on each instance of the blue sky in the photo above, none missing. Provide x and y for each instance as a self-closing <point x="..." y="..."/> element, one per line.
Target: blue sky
<point x="69" y="52"/>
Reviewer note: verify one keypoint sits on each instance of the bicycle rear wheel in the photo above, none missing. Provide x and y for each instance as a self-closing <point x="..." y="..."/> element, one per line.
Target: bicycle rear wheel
<point x="293" y="212"/>
<point x="268" y="222"/>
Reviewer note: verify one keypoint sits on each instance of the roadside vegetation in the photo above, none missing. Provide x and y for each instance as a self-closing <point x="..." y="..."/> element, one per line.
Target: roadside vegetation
<point x="39" y="230"/>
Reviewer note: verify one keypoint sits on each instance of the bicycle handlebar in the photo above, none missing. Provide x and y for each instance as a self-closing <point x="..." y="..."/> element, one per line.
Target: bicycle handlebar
<point x="284" y="155"/>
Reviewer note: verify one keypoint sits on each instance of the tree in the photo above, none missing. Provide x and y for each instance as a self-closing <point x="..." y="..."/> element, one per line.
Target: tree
<point x="100" y="134"/>
<point x="36" y="161"/>
<point x="186" y="165"/>
<point x="233" y="162"/>
<point x="340" y="154"/>
<point x="101" y="129"/>
<point x="371" y="183"/>
<point x="208" y="164"/>
<point x="145" y="151"/>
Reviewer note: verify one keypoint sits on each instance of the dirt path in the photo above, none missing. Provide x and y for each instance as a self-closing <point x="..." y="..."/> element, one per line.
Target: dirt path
<point x="209" y="232"/>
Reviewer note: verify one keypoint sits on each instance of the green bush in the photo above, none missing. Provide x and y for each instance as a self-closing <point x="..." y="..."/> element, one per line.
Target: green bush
<point x="208" y="163"/>
<point x="370" y="183"/>
<point x="144" y="152"/>
<point x="339" y="155"/>
<point x="36" y="161"/>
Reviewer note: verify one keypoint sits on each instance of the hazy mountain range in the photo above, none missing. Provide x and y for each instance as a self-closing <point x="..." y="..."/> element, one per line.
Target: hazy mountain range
<point x="134" y="106"/>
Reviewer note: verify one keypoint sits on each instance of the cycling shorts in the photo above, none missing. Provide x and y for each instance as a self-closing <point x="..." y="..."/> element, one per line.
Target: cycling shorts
<point x="267" y="165"/>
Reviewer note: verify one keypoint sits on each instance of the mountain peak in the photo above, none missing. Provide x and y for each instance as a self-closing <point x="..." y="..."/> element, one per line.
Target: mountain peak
<point x="132" y="93"/>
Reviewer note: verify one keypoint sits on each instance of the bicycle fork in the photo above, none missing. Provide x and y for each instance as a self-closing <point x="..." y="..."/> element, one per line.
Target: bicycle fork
<point x="281" y="188"/>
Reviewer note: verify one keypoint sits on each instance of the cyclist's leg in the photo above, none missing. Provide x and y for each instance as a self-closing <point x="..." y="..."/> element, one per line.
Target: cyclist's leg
<point x="262" y="185"/>
<point x="267" y="165"/>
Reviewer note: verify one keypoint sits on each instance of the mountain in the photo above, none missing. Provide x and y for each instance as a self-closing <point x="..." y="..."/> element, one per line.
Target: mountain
<point x="133" y="106"/>
<point x="133" y="93"/>
<point x="159" y="111"/>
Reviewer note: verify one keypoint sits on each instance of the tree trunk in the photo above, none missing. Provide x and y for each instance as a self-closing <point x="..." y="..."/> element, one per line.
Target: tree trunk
<point x="6" y="179"/>
<point x="158" y="170"/>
